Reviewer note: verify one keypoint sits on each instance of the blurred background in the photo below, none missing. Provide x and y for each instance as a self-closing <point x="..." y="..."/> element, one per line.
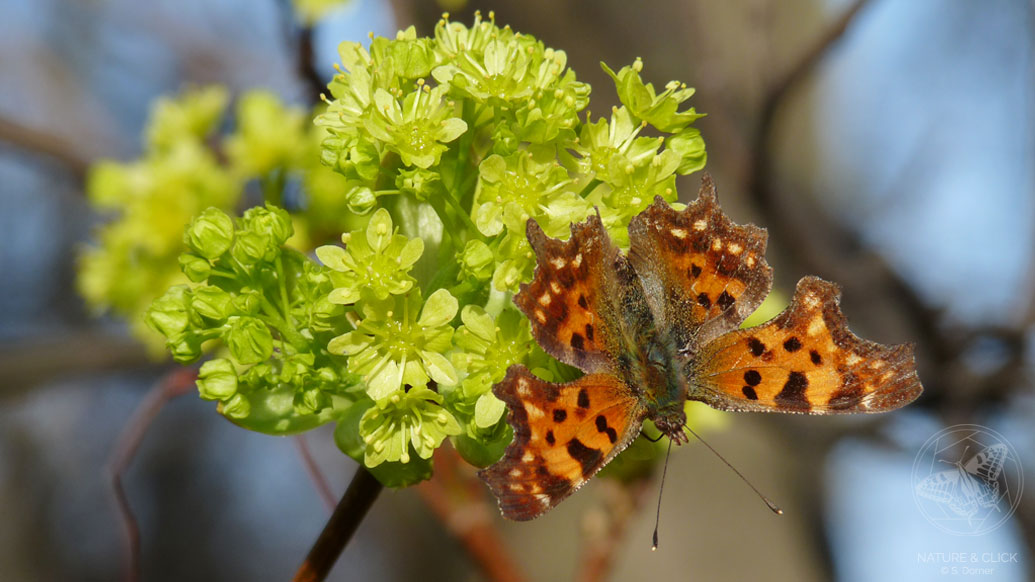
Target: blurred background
<point x="888" y="145"/>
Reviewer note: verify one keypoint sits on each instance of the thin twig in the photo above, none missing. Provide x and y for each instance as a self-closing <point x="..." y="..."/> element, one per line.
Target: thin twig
<point x="338" y="530"/>
<point x="175" y="383"/>
<point x="317" y="476"/>
<point x="458" y="499"/>
<point x="40" y="142"/>
<point x="315" y="85"/>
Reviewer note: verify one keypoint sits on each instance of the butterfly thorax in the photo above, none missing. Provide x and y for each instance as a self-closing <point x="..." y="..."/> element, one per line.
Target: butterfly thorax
<point x="664" y="387"/>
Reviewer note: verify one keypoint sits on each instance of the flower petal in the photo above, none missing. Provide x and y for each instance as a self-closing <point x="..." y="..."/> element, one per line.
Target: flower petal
<point x="439" y="309"/>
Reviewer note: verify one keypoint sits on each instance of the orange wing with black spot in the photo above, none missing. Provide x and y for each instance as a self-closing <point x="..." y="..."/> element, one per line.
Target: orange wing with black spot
<point x="585" y="300"/>
<point x="563" y="435"/>
<point x="702" y="273"/>
<point x="804" y="360"/>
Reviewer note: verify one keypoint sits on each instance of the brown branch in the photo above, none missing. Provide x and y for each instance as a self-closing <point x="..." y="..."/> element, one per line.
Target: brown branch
<point x="457" y="498"/>
<point x="175" y="383"/>
<point x="37" y="141"/>
<point x="338" y="530"/>
<point x="317" y="476"/>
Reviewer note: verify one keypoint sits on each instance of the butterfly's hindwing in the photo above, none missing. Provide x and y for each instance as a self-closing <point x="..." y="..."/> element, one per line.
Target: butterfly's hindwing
<point x="563" y="435"/>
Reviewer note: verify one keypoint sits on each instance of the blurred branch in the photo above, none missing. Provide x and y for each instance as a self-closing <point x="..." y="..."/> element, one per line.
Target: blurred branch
<point x="353" y="507"/>
<point x="175" y="383"/>
<point x="37" y="141"/>
<point x="317" y="476"/>
<point x="457" y="498"/>
<point x="299" y="41"/>
<point x="822" y="245"/>
<point x="306" y="63"/>
<point x="34" y="361"/>
<point x="604" y="526"/>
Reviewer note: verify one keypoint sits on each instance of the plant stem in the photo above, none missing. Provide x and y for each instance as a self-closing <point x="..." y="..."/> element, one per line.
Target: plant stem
<point x="287" y="331"/>
<point x="338" y="530"/>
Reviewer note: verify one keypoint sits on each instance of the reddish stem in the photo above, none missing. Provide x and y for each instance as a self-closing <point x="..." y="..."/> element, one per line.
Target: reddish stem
<point x="173" y="384"/>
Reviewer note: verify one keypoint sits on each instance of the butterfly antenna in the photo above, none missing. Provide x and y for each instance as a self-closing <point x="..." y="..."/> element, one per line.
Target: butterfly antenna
<point x="657" y="518"/>
<point x="769" y="502"/>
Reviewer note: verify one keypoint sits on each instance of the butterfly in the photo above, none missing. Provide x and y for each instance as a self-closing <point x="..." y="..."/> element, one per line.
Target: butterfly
<point x="658" y="326"/>
<point x="968" y="487"/>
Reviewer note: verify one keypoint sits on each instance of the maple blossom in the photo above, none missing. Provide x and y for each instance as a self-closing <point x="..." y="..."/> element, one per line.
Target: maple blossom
<point x="427" y="158"/>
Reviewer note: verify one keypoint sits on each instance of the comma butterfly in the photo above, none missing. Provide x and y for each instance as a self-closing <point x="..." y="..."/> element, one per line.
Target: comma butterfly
<point x="660" y="326"/>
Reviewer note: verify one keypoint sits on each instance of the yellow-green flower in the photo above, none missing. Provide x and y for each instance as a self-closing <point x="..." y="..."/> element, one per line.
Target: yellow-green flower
<point x="401" y="342"/>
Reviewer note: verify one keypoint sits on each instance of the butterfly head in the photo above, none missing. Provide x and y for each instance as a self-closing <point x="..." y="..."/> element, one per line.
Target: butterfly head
<point x="671" y="423"/>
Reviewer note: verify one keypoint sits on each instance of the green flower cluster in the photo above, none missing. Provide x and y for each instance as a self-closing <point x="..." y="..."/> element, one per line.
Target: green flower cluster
<point x="266" y="306"/>
<point x="177" y="176"/>
<point x="435" y="153"/>
<point x="458" y="140"/>
<point x="186" y="167"/>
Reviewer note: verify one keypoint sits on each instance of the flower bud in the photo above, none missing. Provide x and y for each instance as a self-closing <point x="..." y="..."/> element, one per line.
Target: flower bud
<point x="361" y="200"/>
<point x="251" y="247"/>
<point x="196" y="268"/>
<point x="211" y="302"/>
<point x="237" y="407"/>
<point x="169" y="315"/>
<point x="217" y="379"/>
<point x="210" y="234"/>
<point x="249" y="340"/>
<point x="271" y="221"/>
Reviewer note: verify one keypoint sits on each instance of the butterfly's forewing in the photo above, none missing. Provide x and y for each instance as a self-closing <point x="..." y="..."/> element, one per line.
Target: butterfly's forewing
<point x="702" y="274"/>
<point x="804" y="360"/>
<point x="584" y="302"/>
<point x="563" y="435"/>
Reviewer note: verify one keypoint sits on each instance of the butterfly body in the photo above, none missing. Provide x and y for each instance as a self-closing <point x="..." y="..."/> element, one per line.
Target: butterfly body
<point x="658" y="326"/>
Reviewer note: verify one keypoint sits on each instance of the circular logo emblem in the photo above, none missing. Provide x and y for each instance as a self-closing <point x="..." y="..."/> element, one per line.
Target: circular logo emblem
<point x="967" y="479"/>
